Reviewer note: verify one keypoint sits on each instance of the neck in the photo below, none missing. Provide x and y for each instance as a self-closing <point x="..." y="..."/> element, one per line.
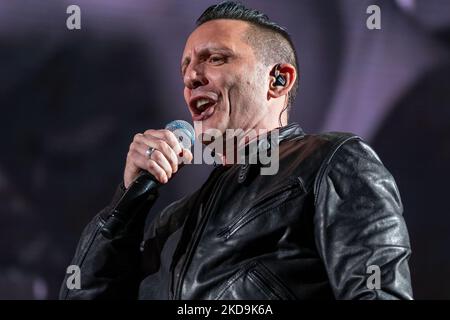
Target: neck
<point x="232" y="145"/>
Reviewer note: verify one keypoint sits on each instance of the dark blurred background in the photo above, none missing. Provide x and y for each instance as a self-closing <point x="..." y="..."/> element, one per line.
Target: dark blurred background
<point x="71" y="102"/>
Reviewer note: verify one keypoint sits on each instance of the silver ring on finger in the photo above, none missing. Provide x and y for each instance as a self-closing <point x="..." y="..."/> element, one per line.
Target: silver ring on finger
<point x="149" y="151"/>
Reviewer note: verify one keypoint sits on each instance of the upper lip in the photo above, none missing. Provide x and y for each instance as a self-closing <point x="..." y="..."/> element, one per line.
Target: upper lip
<point x="212" y="97"/>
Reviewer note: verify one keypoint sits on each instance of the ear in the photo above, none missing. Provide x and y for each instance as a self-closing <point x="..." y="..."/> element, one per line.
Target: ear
<point x="289" y="74"/>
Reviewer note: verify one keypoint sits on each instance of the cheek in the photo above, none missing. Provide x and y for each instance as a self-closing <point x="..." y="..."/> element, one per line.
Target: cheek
<point x="186" y="95"/>
<point x="239" y="88"/>
<point x="220" y="80"/>
<point x="248" y="90"/>
<point x="226" y="85"/>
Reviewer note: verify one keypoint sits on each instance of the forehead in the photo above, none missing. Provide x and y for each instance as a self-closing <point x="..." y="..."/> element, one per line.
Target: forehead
<point x="221" y="32"/>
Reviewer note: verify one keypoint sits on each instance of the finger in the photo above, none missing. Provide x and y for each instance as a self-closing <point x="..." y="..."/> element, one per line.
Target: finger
<point x="162" y="161"/>
<point x="157" y="171"/>
<point x="144" y="163"/>
<point x="167" y="136"/>
<point x="141" y="148"/>
<point x="160" y="145"/>
<point x="186" y="156"/>
<point x="156" y="156"/>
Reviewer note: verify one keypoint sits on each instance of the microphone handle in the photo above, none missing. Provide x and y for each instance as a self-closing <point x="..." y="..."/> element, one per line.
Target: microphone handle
<point x="142" y="187"/>
<point x="137" y="193"/>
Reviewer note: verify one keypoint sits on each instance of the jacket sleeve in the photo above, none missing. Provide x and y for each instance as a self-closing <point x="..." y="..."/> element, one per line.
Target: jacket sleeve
<point x="360" y="231"/>
<point x="108" y="268"/>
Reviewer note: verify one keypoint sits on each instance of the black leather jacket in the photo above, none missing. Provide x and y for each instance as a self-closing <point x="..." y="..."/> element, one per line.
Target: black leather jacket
<point x="313" y="230"/>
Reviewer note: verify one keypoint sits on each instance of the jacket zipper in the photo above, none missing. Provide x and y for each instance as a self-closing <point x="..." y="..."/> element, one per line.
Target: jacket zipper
<point x="251" y="213"/>
<point x="198" y="232"/>
<point x="268" y="290"/>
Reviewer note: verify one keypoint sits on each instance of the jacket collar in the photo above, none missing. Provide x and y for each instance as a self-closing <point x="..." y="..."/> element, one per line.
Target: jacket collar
<point x="274" y="137"/>
<point x="290" y="131"/>
<point x="266" y="144"/>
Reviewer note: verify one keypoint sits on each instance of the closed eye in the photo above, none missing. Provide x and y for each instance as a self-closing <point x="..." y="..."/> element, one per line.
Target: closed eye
<point x="206" y="55"/>
<point x="216" y="59"/>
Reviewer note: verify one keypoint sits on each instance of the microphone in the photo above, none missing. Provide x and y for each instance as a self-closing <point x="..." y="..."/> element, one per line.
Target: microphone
<point x="144" y="185"/>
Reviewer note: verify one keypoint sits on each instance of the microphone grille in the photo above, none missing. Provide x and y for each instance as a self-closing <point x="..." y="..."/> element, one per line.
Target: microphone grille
<point x="184" y="132"/>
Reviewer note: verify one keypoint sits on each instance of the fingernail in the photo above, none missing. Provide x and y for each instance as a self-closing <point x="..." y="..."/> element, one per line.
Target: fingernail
<point x="181" y="153"/>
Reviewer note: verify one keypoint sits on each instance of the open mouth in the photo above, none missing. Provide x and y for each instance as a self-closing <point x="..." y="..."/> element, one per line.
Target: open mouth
<point x="202" y="108"/>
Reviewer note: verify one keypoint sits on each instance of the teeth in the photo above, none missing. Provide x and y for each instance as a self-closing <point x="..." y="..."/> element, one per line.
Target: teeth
<point x="201" y="103"/>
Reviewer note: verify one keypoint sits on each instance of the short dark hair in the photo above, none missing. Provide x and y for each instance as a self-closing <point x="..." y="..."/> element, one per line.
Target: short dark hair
<point x="271" y="42"/>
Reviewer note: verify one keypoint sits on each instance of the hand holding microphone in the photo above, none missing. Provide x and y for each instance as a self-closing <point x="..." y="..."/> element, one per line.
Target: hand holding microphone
<point x="159" y="152"/>
<point x="153" y="158"/>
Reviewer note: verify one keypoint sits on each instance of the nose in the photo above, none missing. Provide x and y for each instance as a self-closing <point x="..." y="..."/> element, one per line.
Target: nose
<point x="194" y="78"/>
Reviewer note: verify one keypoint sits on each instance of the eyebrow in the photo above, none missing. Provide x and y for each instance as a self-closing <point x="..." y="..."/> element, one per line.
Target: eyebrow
<point x="204" y="52"/>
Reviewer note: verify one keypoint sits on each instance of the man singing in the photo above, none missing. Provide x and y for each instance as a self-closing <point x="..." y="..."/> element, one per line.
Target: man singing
<point x="327" y="225"/>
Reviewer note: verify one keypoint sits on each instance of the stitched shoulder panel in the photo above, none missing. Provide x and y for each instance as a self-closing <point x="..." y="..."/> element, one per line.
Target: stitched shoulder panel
<point x="338" y="143"/>
<point x="310" y="154"/>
